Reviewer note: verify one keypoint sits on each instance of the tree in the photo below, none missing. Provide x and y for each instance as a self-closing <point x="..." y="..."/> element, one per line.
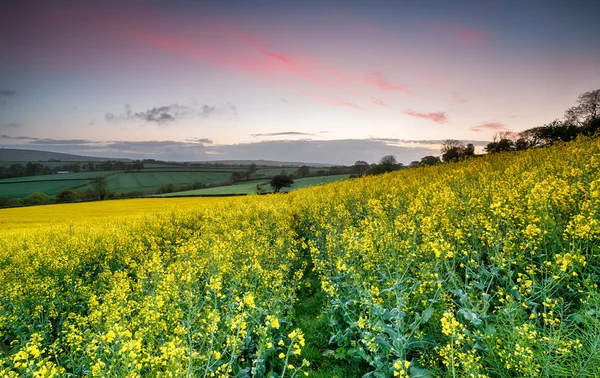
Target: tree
<point x="361" y="167"/>
<point x="388" y="163"/>
<point x="469" y="150"/>
<point x="452" y="150"/>
<point x="303" y="171"/>
<point x="36" y="198"/>
<point x="252" y="168"/>
<point x="281" y="181"/>
<point x="501" y="143"/>
<point x="429" y="160"/>
<point x="587" y="110"/>
<point x="66" y="195"/>
<point x="100" y="188"/>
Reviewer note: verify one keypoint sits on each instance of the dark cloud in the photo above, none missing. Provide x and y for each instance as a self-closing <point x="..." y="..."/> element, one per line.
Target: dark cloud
<point x="163" y="115"/>
<point x="59" y="142"/>
<point x="341" y="151"/>
<point x="6" y="95"/>
<point x="200" y="140"/>
<point x="4" y="136"/>
<point x="48" y="141"/>
<point x="283" y="133"/>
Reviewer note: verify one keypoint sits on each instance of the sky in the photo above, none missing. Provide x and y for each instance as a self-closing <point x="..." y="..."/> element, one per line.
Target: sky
<point x="289" y="80"/>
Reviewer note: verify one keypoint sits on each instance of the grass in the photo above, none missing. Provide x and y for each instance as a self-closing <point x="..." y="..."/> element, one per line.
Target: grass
<point x="52" y="187"/>
<point x="151" y="178"/>
<point x="249" y="187"/>
<point x="309" y="315"/>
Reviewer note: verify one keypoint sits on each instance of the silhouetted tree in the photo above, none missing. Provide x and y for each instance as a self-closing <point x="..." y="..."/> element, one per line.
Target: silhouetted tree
<point x="501" y="143"/>
<point x="360" y="167"/>
<point x="388" y="163"/>
<point x="587" y="110"/>
<point x="469" y="150"/>
<point x="281" y="181"/>
<point x="452" y="150"/>
<point x="429" y="160"/>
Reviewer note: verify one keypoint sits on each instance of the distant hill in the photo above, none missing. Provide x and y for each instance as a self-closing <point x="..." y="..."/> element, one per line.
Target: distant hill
<point x="14" y="154"/>
<point x="269" y="163"/>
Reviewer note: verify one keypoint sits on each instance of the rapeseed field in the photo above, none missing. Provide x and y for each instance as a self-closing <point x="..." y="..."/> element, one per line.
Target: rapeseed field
<point x="483" y="268"/>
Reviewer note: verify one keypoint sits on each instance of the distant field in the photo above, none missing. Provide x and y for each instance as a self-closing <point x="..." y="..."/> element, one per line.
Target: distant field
<point x="250" y="187"/>
<point x="126" y="181"/>
<point x="51" y="188"/>
<point x="152" y="177"/>
<point x="50" y="164"/>
<point x="57" y="176"/>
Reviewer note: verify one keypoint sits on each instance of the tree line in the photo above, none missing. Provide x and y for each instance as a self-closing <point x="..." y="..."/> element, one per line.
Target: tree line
<point x="38" y="169"/>
<point x="581" y="119"/>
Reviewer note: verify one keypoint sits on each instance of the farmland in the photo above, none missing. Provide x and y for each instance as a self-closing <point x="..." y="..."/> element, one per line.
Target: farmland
<point x="144" y="181"/>
<point x="482" y="268"/>
<point x="250" y="187"/>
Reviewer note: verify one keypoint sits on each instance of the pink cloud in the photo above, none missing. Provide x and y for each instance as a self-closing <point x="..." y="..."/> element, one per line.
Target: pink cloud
<point x="470" y="35"/>
<point x="346" y="104"/>
<point x="305" y="67"/>
<point x="379" y="102"/>
<point x="438" y="117"/>
<point x="494" y="126"/>
<point x="380" y="82"/>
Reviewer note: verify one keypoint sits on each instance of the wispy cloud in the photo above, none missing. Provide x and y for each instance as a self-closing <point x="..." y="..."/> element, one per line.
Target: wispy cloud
<point x="379" y="102"/>
<point x="438" y="117"/>
<point x="494" y="126"/>
<point x="346" y="104"/>
<point x="200" y="140"/>
<point x="283" y="133"/>
<point x="427" y="141"/>
<point x="379" y="81"/>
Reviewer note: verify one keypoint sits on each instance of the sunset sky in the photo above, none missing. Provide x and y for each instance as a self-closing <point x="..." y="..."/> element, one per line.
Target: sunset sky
<point x="312" y="81"/>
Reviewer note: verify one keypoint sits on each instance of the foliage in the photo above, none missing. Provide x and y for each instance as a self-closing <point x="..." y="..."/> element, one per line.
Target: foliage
<point x="36" y="199"/>
<point x="67" y="195"/>
<point x="429" y="160"/>
<point x="281" y="181"/>
<point x="454" y="150"/>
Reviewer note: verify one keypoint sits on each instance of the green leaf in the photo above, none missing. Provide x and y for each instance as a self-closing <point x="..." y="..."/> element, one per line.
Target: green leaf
<point x="420" y="373"/>
<point x="427" y="314"/>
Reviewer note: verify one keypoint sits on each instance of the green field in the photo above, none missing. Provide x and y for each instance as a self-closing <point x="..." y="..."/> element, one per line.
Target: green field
<point x="152" y="177"/>
<point x="62" y="177"/>
<point x="249" y="187"/>
<point x="51" y="187"/>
